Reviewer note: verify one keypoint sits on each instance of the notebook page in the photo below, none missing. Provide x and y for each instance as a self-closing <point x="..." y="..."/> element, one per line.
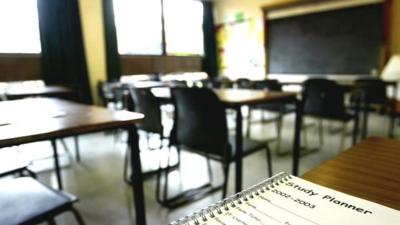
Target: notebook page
<point x="299" y="202"/>
<point x="329" y="207"/>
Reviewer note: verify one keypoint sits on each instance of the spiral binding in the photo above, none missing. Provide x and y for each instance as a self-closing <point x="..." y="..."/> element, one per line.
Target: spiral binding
<point x="216" y="209"/>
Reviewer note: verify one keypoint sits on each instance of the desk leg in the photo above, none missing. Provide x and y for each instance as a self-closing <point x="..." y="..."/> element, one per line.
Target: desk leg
<point x="365" y="121"/>
<point x="77" y="151"/>
<point x="391" y="126"/>
<point x="393" y="112"/>
<point x="392" y="117"/>
<point x="137" y="178"/>
<point x="356" y="121"/>
<point x="296" y="142"/>
<point x="57" y="164"/>
<point x="239" y="150"/>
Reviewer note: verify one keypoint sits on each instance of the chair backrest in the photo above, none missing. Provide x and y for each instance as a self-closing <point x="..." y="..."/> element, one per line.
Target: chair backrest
<point x="106" y="92"/>
<point x="244" y="83"/>
<point x="372" y="90"/>
<point x="142" y="100"/>
<point x="225" y="82"/>
<point x="270" y="85"/>
<point x="212" y="83"/>
<point x="200" y="121"/>
<point x="323" y="98"/>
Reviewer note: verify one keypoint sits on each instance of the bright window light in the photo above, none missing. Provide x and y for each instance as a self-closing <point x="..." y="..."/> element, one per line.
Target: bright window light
<point x="138" y="25"/>
<point x="184" y="27"/>
<point x="19" y="25"/>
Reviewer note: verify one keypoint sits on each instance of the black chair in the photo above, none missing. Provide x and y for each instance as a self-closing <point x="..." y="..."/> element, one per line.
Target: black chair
<point x="105" y="93"/>
<point x="244" y="83"/>
<point x="212" y="83"/>
<point x="145" y="102"/>
<point x="25" y="201"/>
<point x="217" y="83"/>
<point x="373" y="98"/>
<point x="142" y="100"/>
<point x="324" y="99"/>
<point x="280" y="109"/>
<point x="200" y="126"/>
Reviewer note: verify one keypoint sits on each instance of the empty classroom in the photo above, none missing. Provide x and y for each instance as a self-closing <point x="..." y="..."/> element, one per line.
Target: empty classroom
<point x="179" y="111"/>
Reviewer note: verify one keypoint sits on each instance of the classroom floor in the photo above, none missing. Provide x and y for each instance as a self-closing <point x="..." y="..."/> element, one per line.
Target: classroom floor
<point x="106" y="199"/>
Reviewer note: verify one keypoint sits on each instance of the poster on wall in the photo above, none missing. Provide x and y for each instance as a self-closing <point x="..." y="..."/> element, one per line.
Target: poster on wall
<point x="241" y="49"/>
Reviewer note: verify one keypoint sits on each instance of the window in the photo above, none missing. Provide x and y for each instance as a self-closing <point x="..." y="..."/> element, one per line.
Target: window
<point x="140" y="28"/>
<point x="138" y="25"/>
<point x="19" y="25"/>
<point x="184" y="27"/>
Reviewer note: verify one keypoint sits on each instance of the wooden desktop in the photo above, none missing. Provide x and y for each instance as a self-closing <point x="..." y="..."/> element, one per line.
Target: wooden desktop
<point x="369" y="170"/>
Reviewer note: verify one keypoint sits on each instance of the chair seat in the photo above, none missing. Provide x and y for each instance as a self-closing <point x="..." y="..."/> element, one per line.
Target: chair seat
<point x="27" y="201"/>
<point x="249" y="146"/>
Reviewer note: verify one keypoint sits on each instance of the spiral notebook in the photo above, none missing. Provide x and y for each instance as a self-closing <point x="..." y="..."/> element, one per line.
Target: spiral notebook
<point x="288" y="200"/>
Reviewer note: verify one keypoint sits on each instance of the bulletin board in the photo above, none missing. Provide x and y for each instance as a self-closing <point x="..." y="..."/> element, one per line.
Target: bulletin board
<point x="241" y="51"/>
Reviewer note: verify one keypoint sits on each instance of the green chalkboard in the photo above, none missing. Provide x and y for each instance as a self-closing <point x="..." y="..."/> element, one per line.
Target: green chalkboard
<point x="344" y="41"/>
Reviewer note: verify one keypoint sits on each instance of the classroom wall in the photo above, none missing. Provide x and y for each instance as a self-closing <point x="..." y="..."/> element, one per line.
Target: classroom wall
<point x="395" y="28"/>
<point x="93" y="37"/>
<point x="227" y="11"/>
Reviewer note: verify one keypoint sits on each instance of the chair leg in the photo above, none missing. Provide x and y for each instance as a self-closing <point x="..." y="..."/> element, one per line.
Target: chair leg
<point x="158" y="180"/>
<point x="364" y="130"/>
<point x="321" y="132"/>
<point x="65" y="146"/>
<point x="279" y="123"/>
<point x="344" y="128"/>
<point x="51" y="222"/>
<point x="225" y="168"/>
<point x="392" y="121"/>
<point x="165" y="196"/>
<point x="249" y="123"/>
<point x="31" y="173"/>
<point x="78" y="216"/>
<point x="77" y="150"/>
<point x="127" y="179"/>
<point x="210" y="175"/>
<point x="158" y="183"/>
<point x="305" y="139"/>
<point x="269" y="161"/>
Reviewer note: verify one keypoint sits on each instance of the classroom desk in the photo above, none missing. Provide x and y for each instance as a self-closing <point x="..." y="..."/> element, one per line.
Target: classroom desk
<point x="369" y="170"/>
<point x="23" y="91"/>
<point x="146" y="84"/>
<point x="39" y="119"/>
<point x="235" y="99"/>
<point x="363" y="108"/>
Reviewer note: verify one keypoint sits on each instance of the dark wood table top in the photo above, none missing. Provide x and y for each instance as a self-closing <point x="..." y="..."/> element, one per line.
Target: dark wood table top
<point x="236" y="97"/>
<point x="36" y="119"/>
<point x="369" y="170"/>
